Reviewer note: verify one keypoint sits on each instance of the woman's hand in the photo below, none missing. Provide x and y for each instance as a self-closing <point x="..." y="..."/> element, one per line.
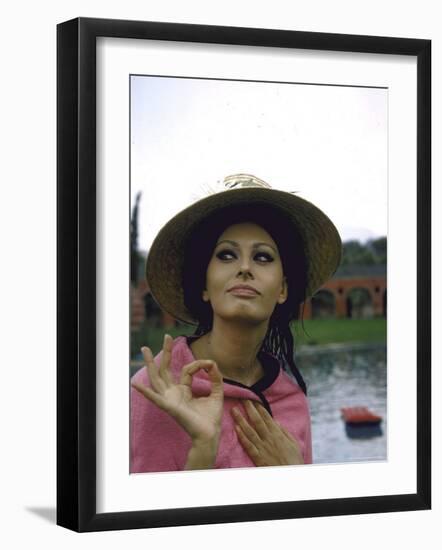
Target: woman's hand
<point x="265" y="441"/>
<point x="200" y="417"/>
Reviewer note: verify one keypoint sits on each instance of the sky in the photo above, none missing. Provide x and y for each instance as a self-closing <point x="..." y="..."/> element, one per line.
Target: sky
<point x="327" y="143"/>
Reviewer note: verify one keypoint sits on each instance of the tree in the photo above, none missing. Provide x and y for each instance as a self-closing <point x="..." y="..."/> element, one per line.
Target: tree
<point x="379" y="246"/>
<point x="355" y="253"/>
<point x="134" y="255"/>
<point x="373" y="252"/>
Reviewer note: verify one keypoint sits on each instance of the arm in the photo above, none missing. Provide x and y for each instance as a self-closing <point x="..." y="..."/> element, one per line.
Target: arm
<point x="202" y="455"/>
<point x="200" y="417"/>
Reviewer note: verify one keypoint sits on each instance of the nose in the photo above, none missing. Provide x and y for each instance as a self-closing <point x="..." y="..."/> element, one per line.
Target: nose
<point x="245" y="269"/>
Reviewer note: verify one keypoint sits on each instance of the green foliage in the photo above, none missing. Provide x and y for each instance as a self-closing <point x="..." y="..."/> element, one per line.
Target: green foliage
<point x="380" y="249"/>
<point x="371" y="253"/>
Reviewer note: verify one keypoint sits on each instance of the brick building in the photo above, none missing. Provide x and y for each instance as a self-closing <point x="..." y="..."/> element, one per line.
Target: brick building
<point x="353" y="292"/>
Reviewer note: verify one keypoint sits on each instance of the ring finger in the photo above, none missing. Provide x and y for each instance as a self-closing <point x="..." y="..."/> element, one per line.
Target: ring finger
<point x="247" y="429"/>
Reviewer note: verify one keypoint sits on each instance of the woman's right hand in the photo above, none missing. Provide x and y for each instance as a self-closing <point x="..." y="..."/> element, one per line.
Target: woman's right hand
<point x="200" y="417"/>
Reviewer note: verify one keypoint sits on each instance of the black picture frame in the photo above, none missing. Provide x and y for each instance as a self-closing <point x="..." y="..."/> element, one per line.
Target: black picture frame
<point x="76" y="273"/>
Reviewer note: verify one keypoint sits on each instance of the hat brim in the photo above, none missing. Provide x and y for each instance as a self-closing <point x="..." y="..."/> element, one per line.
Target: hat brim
<point x="164" y="266"/>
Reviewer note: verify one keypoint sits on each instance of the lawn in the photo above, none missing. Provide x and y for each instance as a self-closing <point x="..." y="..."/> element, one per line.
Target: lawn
<point x="330" y="331"/>
<point x="312" y="332"/>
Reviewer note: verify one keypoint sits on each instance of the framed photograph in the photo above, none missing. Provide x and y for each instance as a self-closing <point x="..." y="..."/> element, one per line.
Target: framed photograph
<point x="164" y="132"/>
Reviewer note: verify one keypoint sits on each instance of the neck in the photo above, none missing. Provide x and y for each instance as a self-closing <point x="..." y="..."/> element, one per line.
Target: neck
<point x="234" y="348"/>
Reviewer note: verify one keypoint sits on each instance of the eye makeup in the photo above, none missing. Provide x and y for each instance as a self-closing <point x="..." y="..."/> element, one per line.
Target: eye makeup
<point x="256" y="245"/>
<point x="260" y="256"/>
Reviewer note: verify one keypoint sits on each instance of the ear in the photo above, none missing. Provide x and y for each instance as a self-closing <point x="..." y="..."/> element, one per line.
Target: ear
<point x="205" y="295"/>
<point x="284" y="292"/>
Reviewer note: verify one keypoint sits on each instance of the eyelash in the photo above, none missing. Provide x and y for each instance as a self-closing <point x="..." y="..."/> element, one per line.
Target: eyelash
<point x="221" y="255"/>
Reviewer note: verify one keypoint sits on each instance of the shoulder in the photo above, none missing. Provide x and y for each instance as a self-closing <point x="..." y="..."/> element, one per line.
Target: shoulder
<point x="286" y="386"/>
<point x="181" y="354"/>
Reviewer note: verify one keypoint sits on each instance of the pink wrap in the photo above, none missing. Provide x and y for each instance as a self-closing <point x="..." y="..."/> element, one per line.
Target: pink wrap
<point x="159" y="444"/>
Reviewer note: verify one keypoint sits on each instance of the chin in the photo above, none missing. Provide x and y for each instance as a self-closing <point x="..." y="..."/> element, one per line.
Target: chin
<point x="244" y="315"/>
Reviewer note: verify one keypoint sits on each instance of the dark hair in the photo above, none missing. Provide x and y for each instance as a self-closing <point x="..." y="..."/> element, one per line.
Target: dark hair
<point x="278" y="340"/>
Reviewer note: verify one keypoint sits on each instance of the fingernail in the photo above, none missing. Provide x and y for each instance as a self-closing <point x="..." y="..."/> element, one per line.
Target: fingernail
<point x="147" y="350"/>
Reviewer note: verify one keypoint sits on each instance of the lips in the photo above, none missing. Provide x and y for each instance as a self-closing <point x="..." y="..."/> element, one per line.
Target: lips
<point x="243" y="290"/>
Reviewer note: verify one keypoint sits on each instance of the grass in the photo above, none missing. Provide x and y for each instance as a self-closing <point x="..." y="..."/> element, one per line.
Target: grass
<point x="315" y="332"/>
<point x="331" y="331"/>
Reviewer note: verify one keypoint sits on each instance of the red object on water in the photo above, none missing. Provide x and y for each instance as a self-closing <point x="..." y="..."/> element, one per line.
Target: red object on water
<point x="359" y="415"/>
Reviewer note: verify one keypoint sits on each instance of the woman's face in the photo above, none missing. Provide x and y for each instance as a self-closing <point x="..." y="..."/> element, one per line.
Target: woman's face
<point x="245" y="279"/>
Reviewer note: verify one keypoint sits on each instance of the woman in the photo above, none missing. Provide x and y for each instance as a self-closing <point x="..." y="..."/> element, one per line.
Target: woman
<point x="239" y="264"/>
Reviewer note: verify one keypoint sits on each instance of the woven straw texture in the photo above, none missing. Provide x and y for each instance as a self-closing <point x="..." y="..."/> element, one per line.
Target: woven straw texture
<point x="322" y="243"/>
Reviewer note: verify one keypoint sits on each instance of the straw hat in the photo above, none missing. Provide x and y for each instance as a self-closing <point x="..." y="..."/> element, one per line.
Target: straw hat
<point x="164" y="266"/>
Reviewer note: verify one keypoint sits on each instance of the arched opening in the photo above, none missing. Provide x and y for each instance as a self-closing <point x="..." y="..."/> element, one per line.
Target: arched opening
<point x="359" y="304"/>
<point x="323" y="305"/>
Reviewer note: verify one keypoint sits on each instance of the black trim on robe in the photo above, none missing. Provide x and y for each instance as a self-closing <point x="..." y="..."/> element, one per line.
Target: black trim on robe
<point x="271" y="368"/>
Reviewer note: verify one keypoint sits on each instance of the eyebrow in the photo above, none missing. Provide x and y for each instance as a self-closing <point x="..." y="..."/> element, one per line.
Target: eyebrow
<point x="255" y="245"/>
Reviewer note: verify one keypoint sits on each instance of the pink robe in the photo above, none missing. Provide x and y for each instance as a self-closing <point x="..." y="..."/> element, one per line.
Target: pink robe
<point x="159" y="444"/>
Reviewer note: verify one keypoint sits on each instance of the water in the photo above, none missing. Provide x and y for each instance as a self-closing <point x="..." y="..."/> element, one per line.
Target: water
<point x="339" y="379"/>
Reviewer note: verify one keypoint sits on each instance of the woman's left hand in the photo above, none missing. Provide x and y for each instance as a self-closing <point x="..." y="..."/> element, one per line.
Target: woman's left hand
<point x="265" y="441"/>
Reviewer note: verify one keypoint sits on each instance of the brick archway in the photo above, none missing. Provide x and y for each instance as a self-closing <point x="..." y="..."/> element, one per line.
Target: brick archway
<point x="341" y="286"/>
<point x="323" y="304"/>
<point x="359" y="303"/>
